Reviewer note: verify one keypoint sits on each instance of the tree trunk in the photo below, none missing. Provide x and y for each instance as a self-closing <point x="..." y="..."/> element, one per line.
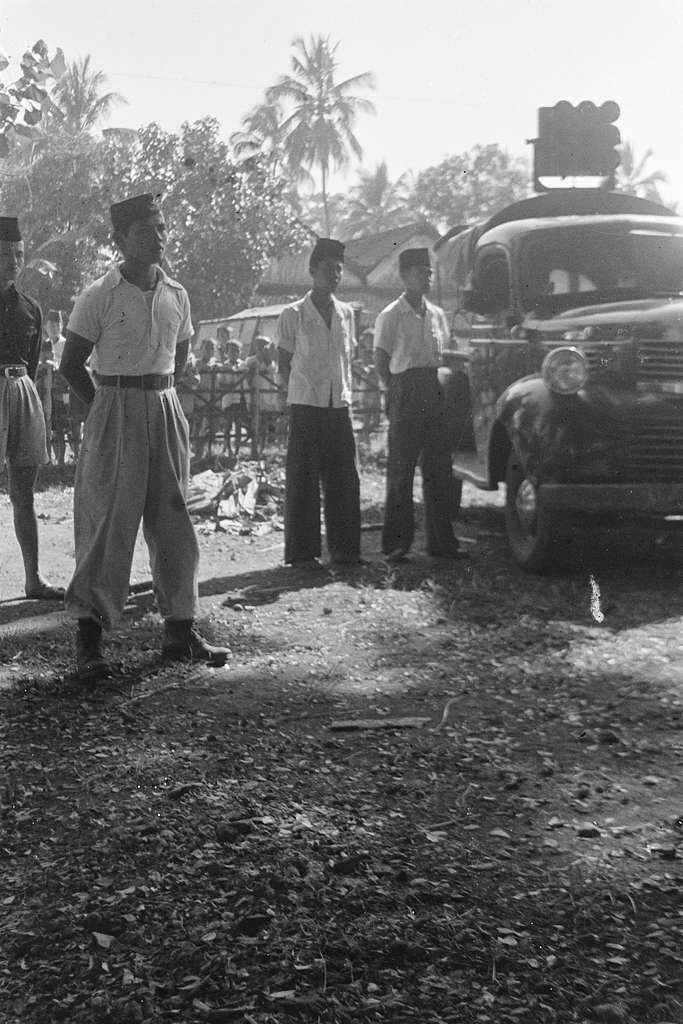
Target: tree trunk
<point x="326" y="210"/>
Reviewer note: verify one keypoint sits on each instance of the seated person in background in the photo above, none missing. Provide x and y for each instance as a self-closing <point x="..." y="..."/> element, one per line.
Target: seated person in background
<point x="205" y="405"/>
<point x="46" y="367"/>
<point x="224" y="340"/>
<point x="208" y="355"/>
<point x="261" y="360"/>
<point x="231" y="386"/>
<point x="61" y="427"/>
<point x="267" y="386"/>
<point x="366" y="387"/>
<point x="186" y="385"/>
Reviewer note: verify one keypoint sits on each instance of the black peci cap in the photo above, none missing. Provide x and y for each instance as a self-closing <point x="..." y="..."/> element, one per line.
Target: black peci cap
<point x="126" y="212"/>
<point x="327" y="249"/>
<point x="413" y="258"/>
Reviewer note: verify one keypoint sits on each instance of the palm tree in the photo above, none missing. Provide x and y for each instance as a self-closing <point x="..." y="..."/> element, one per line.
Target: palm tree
<point x="79" y="97"/>
<point x="312" y="214"/>
<point x="633" y="177"/>
<point x="319" y="127"/>
<point x="262" y="135"/>
<point x="376" y="203"/>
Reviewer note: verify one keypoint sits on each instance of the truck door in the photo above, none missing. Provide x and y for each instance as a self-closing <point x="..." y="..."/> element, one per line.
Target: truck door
<point x="490" y="359"/>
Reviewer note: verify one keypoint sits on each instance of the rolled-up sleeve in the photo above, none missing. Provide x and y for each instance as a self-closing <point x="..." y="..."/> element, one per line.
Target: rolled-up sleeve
<point x="285" y="330"/>
<point x="85" y="319"/>
<point x="186" y="330"/>
<point x="385" y="332"/>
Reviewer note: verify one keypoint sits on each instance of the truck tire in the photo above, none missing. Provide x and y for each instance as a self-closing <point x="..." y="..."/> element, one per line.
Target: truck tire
<point x="536" y="536"/>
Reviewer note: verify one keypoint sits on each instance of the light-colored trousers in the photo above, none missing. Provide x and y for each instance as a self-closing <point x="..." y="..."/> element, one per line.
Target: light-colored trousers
<point x="133" y="466"/>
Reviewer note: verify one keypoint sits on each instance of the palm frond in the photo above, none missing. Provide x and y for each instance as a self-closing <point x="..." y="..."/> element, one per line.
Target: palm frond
<point x="317" y="114"/>
<point x="78" y="95"/>
<point x="633" y="177"/>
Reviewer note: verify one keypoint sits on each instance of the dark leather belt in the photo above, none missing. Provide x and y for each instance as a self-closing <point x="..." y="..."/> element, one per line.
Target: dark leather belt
<point x="10" y="370"/>
<point x="146" y="382"/>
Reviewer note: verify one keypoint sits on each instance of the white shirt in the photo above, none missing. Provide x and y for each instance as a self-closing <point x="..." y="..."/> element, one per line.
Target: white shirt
<point x="133" y="332"/>
<point x="321" y="357"/>
<point x="411" y="341"/>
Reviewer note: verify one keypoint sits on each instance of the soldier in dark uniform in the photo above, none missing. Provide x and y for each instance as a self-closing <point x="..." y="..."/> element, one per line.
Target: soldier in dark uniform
<point x="22" y="424"/>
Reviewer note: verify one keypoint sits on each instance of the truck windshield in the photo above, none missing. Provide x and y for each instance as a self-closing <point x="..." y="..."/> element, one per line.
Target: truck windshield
<point x="561" y="267"/>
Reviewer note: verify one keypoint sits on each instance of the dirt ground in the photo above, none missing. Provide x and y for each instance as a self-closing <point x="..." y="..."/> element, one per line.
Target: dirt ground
<point x="217" y="845"/>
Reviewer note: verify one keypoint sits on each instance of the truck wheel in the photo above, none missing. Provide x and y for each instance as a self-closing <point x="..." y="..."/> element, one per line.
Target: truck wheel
<point x="534" y="534"/>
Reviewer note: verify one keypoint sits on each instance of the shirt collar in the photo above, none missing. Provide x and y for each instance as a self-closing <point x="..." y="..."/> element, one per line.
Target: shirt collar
<point x="311" y="309"/>
<point x="114" y="277"/>
<point x="407" y="308"/>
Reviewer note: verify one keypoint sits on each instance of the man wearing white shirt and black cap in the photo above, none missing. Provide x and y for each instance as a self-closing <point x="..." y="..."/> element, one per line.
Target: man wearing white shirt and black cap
<point x="133" y="324"/>
<point x="315" y="339"/>
<point x="410" y="336"/>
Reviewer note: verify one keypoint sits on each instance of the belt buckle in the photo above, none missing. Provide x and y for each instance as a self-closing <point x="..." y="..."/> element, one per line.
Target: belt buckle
<point x="12" y="372"/>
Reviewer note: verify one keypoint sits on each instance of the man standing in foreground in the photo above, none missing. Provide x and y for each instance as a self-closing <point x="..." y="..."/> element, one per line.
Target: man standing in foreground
<point x="134" y="326"/>
<point x="22" y="424"/>
<point x="410" y="335"/>
<point x="315" y="339"/>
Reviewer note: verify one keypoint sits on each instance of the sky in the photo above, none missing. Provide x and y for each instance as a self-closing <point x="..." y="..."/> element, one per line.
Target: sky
<point x="449" y="75"/>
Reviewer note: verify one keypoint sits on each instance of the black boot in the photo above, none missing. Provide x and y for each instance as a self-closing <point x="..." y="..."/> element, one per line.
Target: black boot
<point x="90" y="660"/>
<point x="184" y="642"/>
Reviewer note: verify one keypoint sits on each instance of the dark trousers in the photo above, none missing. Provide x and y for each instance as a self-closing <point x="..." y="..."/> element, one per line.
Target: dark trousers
<point x="415" y="407"/>
<point x="321" y="451"/>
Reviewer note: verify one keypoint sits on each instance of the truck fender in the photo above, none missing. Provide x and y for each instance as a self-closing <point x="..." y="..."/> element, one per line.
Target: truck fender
<point x="528" y="420"/>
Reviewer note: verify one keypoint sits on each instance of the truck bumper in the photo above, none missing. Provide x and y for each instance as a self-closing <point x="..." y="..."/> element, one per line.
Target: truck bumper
<point x="655" y="499"/>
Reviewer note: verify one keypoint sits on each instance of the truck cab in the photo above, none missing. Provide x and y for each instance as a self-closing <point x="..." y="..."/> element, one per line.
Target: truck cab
<point x="565" y="374"/>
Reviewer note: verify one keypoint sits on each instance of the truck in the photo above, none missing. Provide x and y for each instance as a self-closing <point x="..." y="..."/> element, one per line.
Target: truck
<point x="564" y="380"/>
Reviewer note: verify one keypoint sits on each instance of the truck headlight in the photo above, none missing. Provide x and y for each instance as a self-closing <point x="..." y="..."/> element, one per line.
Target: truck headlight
<point x="564" y="371"/>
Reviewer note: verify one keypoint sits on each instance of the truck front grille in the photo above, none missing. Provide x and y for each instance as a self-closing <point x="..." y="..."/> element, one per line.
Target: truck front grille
<point x="643" y="363"/>
<point x="659" y="361"/>
<point x="594" y="358"/>
<point x="655" y="449"/>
